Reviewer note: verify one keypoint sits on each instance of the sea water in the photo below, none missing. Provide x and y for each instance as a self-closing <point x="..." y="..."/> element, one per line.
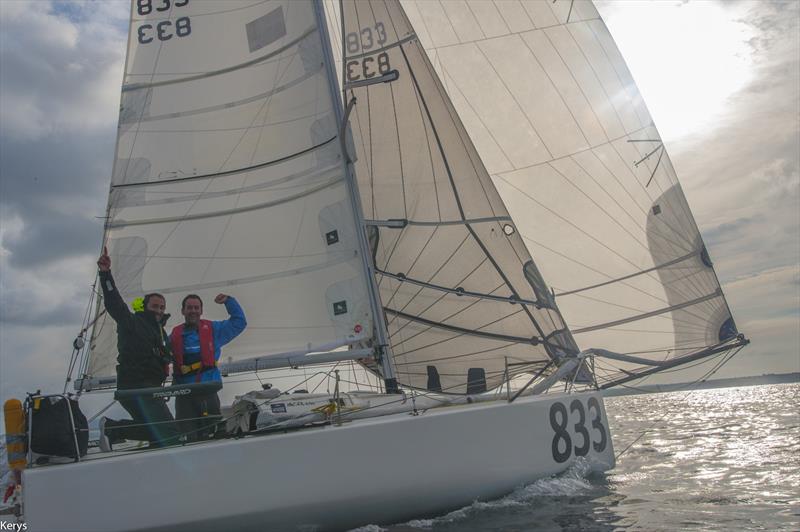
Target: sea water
<point x="718" y="459"/>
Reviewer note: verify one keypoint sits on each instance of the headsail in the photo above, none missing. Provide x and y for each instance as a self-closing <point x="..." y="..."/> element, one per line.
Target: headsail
<point x="459" y="289"/>
<point x="228" y="177"/>
<point x="560" y="125"/>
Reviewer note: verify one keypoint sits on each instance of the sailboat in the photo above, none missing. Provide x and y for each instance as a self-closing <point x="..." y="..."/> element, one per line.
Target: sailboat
<point x="467" y="199"/>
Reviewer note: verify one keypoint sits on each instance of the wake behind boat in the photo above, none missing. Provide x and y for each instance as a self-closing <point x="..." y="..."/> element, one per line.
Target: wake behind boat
<point x="370" y="226"/>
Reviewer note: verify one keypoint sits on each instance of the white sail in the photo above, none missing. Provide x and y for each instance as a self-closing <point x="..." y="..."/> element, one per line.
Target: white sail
<point x="562" y="128"/>
<point x="229" y="178"/>
<point x="459" y="289"/>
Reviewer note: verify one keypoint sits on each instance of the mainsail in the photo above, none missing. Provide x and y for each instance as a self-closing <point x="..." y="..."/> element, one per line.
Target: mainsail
<point x="228" y="177"/>
<point x="561" y="127"/>
<point x="464" y="301"/>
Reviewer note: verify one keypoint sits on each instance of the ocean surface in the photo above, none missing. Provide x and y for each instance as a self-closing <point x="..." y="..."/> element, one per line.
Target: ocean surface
<point x="717" y="459"/>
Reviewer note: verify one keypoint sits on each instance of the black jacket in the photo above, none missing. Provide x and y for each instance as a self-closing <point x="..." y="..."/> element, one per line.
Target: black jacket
<point x="142" y="343"/>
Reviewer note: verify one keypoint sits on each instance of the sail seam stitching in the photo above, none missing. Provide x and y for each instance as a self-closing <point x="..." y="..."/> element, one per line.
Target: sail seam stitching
<point x="511" y="33"/>
<point x="646" y="315"/>
<point x="461" y="292"/>
<point x="227" y="212"/>
<point x="246" y="64"/>
<point x="469" y="332"/>
<point x="612" y="198"/>
<point x="228" y="105"/>
<point x="226" y="172"/>
<point x="658" y="267"/>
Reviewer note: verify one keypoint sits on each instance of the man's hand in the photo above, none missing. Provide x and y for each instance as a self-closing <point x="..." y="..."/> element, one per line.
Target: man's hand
<point x="221" y="298"/>
<point x="104" y="262"/>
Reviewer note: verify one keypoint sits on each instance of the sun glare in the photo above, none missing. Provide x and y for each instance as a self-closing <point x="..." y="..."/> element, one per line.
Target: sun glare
<point x="686" y="58"/>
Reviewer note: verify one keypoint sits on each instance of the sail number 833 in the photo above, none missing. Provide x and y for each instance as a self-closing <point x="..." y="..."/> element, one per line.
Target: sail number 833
<point x="362" y="42"/>
<point x="592" y="435"/>
<point x="165" y="29"/>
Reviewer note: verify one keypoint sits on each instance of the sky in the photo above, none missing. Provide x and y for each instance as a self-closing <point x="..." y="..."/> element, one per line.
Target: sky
<point x="722" y="82"/>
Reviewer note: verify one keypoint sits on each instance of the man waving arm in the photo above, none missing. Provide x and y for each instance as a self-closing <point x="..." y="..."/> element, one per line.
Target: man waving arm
<point x="112" y="299"/>
<point x="227" y="330"/>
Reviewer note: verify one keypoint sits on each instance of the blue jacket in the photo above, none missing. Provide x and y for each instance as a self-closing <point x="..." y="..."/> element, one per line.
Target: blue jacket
<point x="224" y="332"/>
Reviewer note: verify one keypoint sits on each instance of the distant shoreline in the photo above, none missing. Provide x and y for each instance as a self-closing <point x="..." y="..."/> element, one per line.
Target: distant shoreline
<point x="780" y="378"/>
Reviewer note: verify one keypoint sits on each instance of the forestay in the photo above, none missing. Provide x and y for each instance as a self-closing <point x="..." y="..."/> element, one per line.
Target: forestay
<point x="459" y="289"/>
<point x="560" y="125"/>
<point x="229" y="178"/>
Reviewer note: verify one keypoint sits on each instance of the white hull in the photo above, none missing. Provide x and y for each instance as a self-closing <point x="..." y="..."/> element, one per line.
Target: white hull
<point x="380" y="470"/>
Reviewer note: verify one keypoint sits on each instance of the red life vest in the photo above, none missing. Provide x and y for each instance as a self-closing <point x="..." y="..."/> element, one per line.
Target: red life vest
<point x="207" y="361"/>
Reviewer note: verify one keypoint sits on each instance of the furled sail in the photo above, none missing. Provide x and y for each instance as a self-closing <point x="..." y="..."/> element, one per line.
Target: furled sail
<point x="560" y="125"/>
<point x="229" y="177"/>
<point x="460" y="292"/>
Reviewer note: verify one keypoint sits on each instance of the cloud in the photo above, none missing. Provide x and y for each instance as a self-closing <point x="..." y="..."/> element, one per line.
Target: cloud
<point x="772" y="293"/>
<point x="59" y="92"/>
<point x="776" y="25"/>
<point x="32" y="361"/>
<point x="54" y="189"/>
<point x="60" y="71"/>
<point x="51" y="295"/>
<point x="52" y="238"/>
<point x="744" y="184"/>
<point x="63" y="67"/>
<point x="727" y="231"/>
<point x="766" y="306"/>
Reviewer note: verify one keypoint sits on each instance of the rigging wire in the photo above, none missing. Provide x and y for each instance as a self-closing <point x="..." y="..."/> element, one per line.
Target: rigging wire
<point x="78" y="351"/>
<point x="326" y="375"/>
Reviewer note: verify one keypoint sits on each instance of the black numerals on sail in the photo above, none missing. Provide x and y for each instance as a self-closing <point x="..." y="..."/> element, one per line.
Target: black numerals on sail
<point x="145" y="7"/>
<point x="368" y="67"/>
<point x="364" y="41"/>
<point x="165" y="29"/>
<point x="562" y="446"/>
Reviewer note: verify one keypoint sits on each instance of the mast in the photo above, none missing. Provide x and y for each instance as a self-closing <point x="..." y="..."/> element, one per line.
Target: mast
<point x="381" y="335"/>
